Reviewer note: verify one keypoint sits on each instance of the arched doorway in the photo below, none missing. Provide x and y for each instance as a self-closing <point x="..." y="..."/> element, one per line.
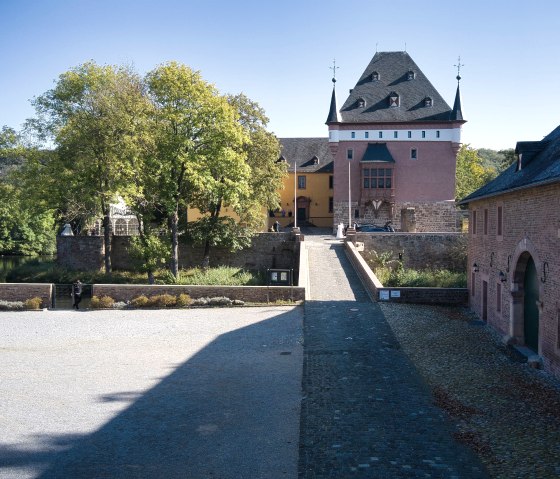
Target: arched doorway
<point x="530" y="308"/>
<point x="525" y="299"/>
<point x="302" y="210"/>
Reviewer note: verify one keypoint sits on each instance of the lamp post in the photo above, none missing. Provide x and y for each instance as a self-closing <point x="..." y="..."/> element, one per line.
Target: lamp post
<point x="349" y="198"/>
<point x="295" y="194"/>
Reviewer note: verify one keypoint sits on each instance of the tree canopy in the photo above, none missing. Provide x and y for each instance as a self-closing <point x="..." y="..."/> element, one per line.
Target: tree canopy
<point x="471" y="172"/>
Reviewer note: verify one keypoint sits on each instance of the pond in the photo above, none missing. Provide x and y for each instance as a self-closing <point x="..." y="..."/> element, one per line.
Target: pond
<point x="9" y="262"/>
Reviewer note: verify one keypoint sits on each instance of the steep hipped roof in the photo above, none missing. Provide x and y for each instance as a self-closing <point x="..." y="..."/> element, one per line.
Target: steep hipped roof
<point x="312" y="155"/>
<point x="378" y="152"/>
<point x="394" y="72"/>
<point x="540" y="164"/>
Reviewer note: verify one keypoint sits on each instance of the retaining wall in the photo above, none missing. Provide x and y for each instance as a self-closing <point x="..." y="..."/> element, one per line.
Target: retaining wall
<point x="23" y="291"/>
<point x="447" y="296"/>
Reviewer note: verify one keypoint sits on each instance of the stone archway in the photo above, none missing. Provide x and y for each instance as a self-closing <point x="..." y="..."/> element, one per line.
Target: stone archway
<point x="526" y="291"/>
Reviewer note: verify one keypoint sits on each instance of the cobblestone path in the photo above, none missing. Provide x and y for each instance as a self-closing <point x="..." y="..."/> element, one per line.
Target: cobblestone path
<point x="365" y="413"/>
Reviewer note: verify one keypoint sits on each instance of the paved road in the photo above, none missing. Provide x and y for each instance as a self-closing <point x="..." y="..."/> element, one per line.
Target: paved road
<point x="208" y="393"/>
<point x="365" y="413"/>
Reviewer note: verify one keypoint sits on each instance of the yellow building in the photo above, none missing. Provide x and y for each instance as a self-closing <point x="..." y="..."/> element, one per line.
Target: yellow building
<point x="308" y="187"/>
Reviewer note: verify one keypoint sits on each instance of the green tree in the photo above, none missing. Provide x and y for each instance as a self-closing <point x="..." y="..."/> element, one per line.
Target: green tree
<point x="198" y="145"/>
<point x="508" y="157"/>
<point x="96" y="116"/>
<point x="471" y="173"/>
<point x="150" y="249"/>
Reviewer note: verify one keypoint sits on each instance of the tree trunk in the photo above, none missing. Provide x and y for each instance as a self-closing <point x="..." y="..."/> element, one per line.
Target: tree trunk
<point x="175" y="243"/>
<point x="107" y="233"/>
<point x="214" y="219"/>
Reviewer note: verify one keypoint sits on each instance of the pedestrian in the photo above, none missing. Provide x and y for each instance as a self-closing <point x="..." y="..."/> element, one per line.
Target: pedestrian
<point x="77" y="293"/>
<point x="276" y="226"/>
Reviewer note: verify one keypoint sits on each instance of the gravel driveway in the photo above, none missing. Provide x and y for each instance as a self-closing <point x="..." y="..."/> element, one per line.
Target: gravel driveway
<point x="505" y="411"/>
<point x="207" y="393"/>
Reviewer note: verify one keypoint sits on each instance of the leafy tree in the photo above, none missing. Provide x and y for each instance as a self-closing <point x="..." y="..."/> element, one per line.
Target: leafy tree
<point x="499" y="160"/>
<point x="508" y="157"/>
<point x="151" y="251"/>
<point x="471" y="173"/>
<point x="96" y="118"/>
<point x="197" y="145"/>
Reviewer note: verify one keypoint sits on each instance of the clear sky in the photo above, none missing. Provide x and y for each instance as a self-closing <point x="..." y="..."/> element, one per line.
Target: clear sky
<point x="279" y="53"/>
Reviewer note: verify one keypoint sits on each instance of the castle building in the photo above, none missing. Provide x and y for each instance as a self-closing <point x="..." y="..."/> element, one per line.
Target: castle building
<point x="513" y="252"/>
<point x="394" y="143"/>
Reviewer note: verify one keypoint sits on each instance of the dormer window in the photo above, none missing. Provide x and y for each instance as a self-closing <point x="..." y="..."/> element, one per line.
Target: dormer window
<point x="519" y="156"/>
<point x="361" y="103"/>
<point x="428" y="102"/>
<point x="375" y="76"/>
<point x="411" y="75"/>
<point x="394" y="100"/>
<point x="315" y="160"/>
<point x="282" y="158"/>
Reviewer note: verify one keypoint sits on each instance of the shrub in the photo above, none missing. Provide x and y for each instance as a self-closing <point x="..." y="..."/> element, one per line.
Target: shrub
<point x="162" y="300"/>
<point x="33" y="303"/>
<point x="219" y="301"/>
<point x="140" y="302"/>
<point x="183" y="300"/>
<point x="10" y="305"/>
<point x="105" y="302"/>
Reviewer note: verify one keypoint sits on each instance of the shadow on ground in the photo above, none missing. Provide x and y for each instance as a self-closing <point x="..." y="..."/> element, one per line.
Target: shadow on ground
<point x="231" y="411"/>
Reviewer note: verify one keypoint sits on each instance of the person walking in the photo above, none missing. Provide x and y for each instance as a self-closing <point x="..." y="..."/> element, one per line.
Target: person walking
<point x="77" y="288"/>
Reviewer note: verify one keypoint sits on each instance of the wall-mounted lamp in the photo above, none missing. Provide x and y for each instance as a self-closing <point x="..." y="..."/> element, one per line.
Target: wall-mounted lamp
<point x="492" y="254"/>
<point x="502" y="276"/>
<point x="544" y="272"/>
<point x="509" y="259"/>
<point x="475" y="268"/>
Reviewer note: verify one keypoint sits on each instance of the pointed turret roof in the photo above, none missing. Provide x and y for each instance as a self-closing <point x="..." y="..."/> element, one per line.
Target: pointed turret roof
<point x="457" y="114"/>
<point x="334" y="116"/>
<point x="394" y="72"/>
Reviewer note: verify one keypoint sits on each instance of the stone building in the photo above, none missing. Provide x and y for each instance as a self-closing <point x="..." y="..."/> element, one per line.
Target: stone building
<point x="310" y="174"/>
<point x="514" y="251"/>
<point x="394" y="143"/>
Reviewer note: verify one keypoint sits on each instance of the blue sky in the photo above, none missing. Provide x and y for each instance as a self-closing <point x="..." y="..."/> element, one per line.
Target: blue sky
<point x="279" y="53"/>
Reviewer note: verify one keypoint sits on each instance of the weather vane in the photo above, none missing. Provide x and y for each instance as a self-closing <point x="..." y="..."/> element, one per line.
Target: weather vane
<point x="459" y="65"/>
<point x="333" y="68"/>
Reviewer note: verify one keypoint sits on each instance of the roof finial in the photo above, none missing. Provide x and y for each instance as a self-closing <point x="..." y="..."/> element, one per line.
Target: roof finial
<point x="405" y="47"/>
<point x="334" y="68"/>
<point x="459" y="65"/>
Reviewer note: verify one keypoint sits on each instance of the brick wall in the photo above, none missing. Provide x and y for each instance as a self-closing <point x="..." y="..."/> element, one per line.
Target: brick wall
<point x="267" y="250"/>
<point x="530" y="226"/>
<point x="420" y="250"/>
<point x="258" y="294"/>
<point x="447" y="296"/>
<point x="23" y="291"/>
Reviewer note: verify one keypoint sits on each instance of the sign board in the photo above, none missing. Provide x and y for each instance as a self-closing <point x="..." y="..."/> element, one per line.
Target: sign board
<point x="395" y="294"/>
<point x="384" y="295"/>
<point x="279" y="277"/>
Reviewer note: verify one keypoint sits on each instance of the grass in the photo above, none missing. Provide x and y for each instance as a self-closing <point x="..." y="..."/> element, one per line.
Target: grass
<point x="49" y="272"/>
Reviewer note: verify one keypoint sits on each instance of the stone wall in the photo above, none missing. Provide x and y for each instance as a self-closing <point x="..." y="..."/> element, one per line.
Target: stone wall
<point x="420" y="250"/>
<point x="257" y="294"/>
<point x="23" y="291"/>
<point x="267" y="250"/>
<point x="441" y="216"/>
<point x="530" y="229"/>
<point x="445" y="296"/>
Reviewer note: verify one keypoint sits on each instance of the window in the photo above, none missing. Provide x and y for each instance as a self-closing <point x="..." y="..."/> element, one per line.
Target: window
<point x="485" y="225"/>
<point x="500" y="220"/>
<point x="423" y="134"/>
<point x="428" y="102"/>
<point x="331" y="204"/>
<point x="413" y="154"/>
<point x="377" y="178"/>
<point x="356" y="213"/>
<point x="499" y="297"/>
<point x="410" y="134"/>
<point x="380" y="134"/>
<point x="353" y="134"/>
<point x="301" y="182"/>
<point x="349" y="153"/>
<point x="374" y="76"/>
<point x="366" y="134"/>
<point x="361" y="103"/>
<point x="394" y="99"/>
<point x="395" y="134"/>
<point x="473" y="221"/>
<point x="331" y="182"/>
<point x="437" y="133"/>
<point x="411" y="75"/>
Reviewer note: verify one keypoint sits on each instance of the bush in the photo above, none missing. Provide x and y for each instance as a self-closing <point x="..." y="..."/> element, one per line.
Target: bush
<point x="183" y="300"/>
<point x="162" y="301"/>
<point x="140" y="302"/>
<point x="11" y="305"/>
<point x="105" y="302"/>
<point x="33" y="303"/>
<point x="427" y="278"/>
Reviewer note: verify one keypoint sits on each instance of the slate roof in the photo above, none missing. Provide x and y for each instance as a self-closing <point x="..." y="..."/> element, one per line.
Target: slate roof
<point x="378" y="152"/>
<point x="304" y="151"/>
<point x="540" y="166"/>
<point x="393" y="69"/>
